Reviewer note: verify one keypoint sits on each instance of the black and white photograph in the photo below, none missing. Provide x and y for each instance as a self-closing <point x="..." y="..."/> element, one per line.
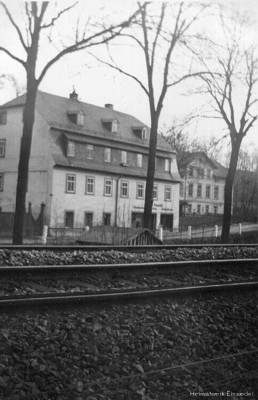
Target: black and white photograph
<point x="128" y="200"/>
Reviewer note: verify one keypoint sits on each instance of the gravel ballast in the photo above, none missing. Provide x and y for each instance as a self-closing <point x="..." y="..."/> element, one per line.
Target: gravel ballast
<point x="46" y="257"/>
<point x="132" y="351"/>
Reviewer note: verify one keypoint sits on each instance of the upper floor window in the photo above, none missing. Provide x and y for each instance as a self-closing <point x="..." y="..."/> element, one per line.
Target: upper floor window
<point x="208" y="191"/>
<point x="3" y="117"/>
<point x="166" y="164"/>
<point x="201" y="172"/>
<point x="199" y="190"/>
<point x="167" y="196"/>
<point x="70" y="183"/>
<point x="216" y="192"/>
<point x="108" y="187"/>
<point x="155" y="192"/>
<point x="144" y="133"/>
<point x="208" y="173"/>
<point x="70" y="149"/>
<point x="190" y="189"/>
<point x="181" y="190"/>
<point x="1" y="182"/>
<point x="2" y="147"/>
<point x="191" y="170"/>
<point x="139" y="160"/>
<point x="124" y="157"/>
<point x="90" y="185"/>
<point x="89" y="151"/>
<point x="107" y="154"/>
<point x="124" y="189"/>
<point x="139" y="190"/>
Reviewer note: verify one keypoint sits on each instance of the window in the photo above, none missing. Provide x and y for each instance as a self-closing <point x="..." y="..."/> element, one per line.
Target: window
<point x="139" y="160"/>
<point x="199" y="190"/>
<point x="189" y="208"/>
<point x="215" y="209"/>
<point x="124" y="157"/>
<point x="216" y="192"/>
<point x="200" y="172"/>
<point x="70" y="183"/>
<point x="107" y="154"/>
<point x="88" y="219"/>
<point x="167" y="196"/>
<point x="69" y="219"/>
<point x="124" y="189"/>
<point x="181" y="190"/>
<point x="108" y="187"/>
<point x="80" y="119"/>
<point x="139" y="190"/>
<point x="2" y="147"/>
<point x="90" y="185"/>
<point x="207" y="209"/>
<point x="114" y="126"/>
<point x="89" y="151"/>
<point x="190" y="170"/>
<point x="1" y="182"/>
<point x="198" y="209"/>
<point x="70" y="149"/>
<point x="190" y="190"/>
<point x="144" y="133"/>
<point x="166" y="164"/>
<point x="155" y="192"/>
<point x="3" y="117"/>
<point x="208" y="191"/>
<point x="208" y="173"/>
<point x="106" y="219"/>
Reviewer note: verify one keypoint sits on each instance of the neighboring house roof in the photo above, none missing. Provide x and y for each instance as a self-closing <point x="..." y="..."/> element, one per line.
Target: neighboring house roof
<point x="219" y="170"/>
<point x="55" y="109"/>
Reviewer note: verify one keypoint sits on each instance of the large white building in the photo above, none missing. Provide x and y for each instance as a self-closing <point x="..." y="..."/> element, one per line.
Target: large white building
<point x="202" y="186"/>
<point x="88" y="165"/>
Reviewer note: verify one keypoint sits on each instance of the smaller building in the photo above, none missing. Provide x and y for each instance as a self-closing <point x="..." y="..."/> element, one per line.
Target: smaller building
<point x="202" y="186"/>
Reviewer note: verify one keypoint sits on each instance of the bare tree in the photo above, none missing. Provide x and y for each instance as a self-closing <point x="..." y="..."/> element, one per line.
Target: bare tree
<point x="15" y="84"/>
<point x="235" y="80"/>
<point x="160" y="34"/>
<point x="40" y="23"/>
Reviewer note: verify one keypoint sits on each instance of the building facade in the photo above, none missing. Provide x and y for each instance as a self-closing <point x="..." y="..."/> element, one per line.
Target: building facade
<point x="202" y="186"/>
<point x="88" y="165"/>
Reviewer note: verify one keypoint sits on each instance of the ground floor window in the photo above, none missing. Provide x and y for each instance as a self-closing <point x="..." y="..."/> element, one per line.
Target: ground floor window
<point x="88" y="219"/>
<point x="69" y="219"/>
<point x="106" y="219"/>
<point x="137" y="220"/>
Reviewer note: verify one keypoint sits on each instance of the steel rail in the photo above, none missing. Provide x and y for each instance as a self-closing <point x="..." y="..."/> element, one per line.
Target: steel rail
<point x="87" y="248"/>
<point x="126" y="266"/>
<point x="82" y="298"/>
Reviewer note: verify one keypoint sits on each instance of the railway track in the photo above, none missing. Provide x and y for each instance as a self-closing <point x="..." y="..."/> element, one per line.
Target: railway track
<point x="76" y="284"/>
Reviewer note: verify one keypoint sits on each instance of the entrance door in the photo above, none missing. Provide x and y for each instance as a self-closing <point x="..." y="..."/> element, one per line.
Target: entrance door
<point x="166" y="220"/>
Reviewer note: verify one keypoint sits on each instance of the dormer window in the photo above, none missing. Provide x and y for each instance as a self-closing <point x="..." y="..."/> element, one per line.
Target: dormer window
<point x="77" y="117"/>
<point x="114" y="126"/>
<point x="141" y="132"/>
<point x="70" y="149"/>
<point x="110" y="124"/>
<point x="166" y="164"/>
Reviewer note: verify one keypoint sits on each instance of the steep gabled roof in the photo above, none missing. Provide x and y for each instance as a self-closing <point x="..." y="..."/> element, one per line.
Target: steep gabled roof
<point x="219" y="170"/>
<point x="55" y="109"/>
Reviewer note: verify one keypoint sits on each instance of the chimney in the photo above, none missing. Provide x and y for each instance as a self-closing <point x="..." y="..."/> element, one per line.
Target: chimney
<point x="74" y="95"/>
<point x="109" y="106"/>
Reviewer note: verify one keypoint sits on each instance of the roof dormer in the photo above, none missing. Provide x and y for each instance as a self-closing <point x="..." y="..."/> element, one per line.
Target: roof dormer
<point x="76" y="116"/>
<point x="111" y="124"/>
<point x="141" y="132"/>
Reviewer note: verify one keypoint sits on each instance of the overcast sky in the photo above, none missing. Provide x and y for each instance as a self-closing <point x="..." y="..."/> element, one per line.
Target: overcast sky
<point x="97" y="84"/>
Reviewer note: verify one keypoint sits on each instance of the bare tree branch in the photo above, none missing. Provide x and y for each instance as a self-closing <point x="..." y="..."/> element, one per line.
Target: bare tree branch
<point x="19" y="60"/>
<point x="14" y="25"/>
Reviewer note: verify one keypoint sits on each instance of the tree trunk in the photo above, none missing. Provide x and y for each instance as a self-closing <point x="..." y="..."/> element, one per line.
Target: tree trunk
<point x="147" y="218"/>
<point x="23" y="168"/>
<point x="229" y="192"/>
